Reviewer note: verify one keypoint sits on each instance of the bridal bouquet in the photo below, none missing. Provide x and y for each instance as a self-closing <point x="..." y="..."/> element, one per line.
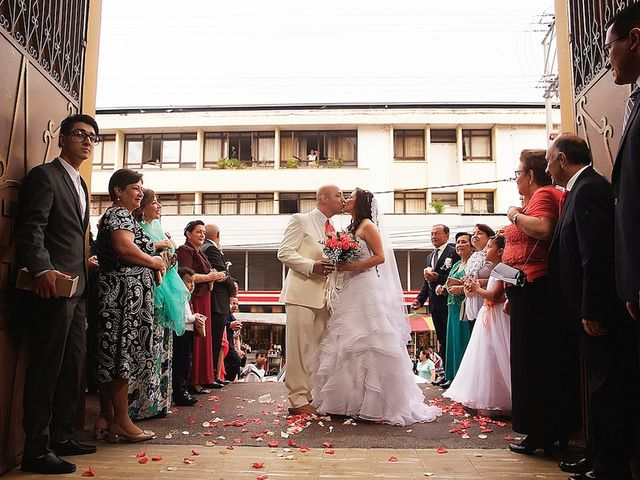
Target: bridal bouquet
<point x="340" y="246"/>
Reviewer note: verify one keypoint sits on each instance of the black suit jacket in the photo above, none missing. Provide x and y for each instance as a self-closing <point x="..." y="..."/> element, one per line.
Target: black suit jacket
<point x="222" y="291"/>
<point x="50" y="231"/>
<point x="438" y="302"/>
<point x="626" y="190"/>
<point x="581" y="257"/>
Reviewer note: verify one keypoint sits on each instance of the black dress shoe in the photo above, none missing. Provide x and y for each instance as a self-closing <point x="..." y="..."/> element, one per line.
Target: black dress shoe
<point x="581" y="466"/>
<point x="72" y="447"/>
<point x="184" y="400"/>
<point x="49" y="463"/>
<point x="590" y="475"/>
<point x="217" y="385"/>
<point x="223" y="382"/>
<point x="445" y="384"/>
<point x="528" y="446"/>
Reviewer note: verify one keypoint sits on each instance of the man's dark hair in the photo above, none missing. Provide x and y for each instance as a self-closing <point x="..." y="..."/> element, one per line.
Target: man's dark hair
<point x="121" y="178"/>
<point x="575" y="149"/>
<point x="67" y="124"/>
<point x="444" y="227"/>
<point x="182" y="271"/>
<point x="261" y="353"/>
<point x="625" y="20"/>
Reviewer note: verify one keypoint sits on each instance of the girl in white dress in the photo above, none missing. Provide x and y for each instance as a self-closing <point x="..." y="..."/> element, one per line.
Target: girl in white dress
<point x="362" y="368"/>
<point x="483" y="381"/>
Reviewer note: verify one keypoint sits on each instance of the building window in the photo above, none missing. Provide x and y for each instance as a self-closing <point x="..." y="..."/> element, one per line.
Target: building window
<point x="443" y="135"/>
<point x="450" y="199"/>
<point x="417" y="260"/>
<point x="334" y="148"/>
<point x="99" y="204"/>
<point x="410" y="202"/>
<point x="265" y="271"/>
<point x="478" y="202"/>
<point x="164" y="150"/>
<point x="177" y="203"/>
<point x="408" y="144"/>
<point x="237" y="203"/>
<point x="104" y="154"/>
<point x="237" y="268"/>
<point x="302" y="202"/>
<point x="476" y="145"/>
<point x="252" y="148"/>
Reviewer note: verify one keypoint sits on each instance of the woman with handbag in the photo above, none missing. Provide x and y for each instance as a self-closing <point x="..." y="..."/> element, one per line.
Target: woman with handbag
<point x="536" y="400"/>
<point x="458" y="329"/>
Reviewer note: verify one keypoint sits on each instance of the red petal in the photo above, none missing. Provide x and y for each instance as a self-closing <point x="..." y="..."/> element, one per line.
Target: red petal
<point x="143" y="460"/>
<point x="262" y="476"/>
<point x="304" y="449"/>
<point x="229" y="447"/>
<point x="157" y="458"/>
<point x="273" y="443"/>
<point x="195" y="452"/>
<point x="327" y="444"/>
<point x="141" y="454"/>
<point x="244" y="430"/>
<point x="330" y="451"/>
<point x="508" y="438"/>
<point x="393" y="459"/>
<point x="188" y="460"/>
<point x="88" y="472"/>
<point x="258" y="465"/>
<point x="292" y="443"/>
<point x="441" y="450"/>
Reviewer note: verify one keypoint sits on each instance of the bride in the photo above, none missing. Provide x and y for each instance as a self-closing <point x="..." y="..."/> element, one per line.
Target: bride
<point x="362" y="368"/>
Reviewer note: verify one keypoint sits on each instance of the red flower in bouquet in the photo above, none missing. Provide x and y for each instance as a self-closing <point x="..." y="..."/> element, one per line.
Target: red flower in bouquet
<point x="340" y="246"/>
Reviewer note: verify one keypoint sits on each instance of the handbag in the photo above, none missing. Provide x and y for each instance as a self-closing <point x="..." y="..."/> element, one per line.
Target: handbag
<point x="511" y="275"/>
<point x="463" y="311"/>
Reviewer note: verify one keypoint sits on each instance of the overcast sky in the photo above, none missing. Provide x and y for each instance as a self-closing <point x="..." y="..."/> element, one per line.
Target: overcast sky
<point x="246" y="52"/>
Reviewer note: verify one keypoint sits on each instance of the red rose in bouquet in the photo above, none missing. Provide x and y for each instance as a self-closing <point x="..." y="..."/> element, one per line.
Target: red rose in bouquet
<point x="340" y="246"/>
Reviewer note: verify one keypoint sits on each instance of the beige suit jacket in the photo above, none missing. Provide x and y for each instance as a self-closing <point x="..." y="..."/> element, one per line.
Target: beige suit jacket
<point x="299" y="249"/>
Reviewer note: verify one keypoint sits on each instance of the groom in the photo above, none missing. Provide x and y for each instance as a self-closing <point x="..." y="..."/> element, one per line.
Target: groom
<point x="303" y="292"/>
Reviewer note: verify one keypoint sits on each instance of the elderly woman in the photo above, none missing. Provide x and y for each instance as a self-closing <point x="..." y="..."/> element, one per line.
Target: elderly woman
<point x="458" y="330"/>
<point x="151" y="396"/>
<point x="125" y="307"/>
<point x="477" y="269"/>
<point x="536" y="401"/>
<point x="189" y="255"/>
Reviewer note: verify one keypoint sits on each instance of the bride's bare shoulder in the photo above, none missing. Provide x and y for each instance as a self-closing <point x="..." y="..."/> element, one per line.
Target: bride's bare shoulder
<point x="365" y="227"/>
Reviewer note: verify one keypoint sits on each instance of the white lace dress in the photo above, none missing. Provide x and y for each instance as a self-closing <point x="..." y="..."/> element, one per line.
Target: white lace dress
<point x="362" y="368"/>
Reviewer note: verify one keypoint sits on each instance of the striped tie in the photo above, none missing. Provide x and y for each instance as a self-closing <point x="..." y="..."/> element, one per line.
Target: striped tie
<point x="630" y="102"/>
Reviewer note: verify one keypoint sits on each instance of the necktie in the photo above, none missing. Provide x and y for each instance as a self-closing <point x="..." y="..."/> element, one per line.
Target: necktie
<point x="328" y="228"/>
<point x="435" y="257"/>
<point x="564" y="196"/>
<point x="630" y="102"/>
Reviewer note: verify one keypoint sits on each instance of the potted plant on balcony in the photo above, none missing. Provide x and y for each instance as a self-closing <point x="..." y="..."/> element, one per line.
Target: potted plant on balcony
<point x="334" y="162"/>
<point x="438" y="206"/>
<point x="230" y="163"/>
<point x="292" y="163"/>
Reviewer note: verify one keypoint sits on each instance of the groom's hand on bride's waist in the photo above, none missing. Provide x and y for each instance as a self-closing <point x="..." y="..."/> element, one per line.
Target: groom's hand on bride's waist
<point x="323" y="267"/>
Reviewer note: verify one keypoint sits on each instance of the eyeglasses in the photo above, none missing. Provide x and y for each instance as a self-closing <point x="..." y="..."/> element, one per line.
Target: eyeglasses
<point x="79" y="136"/>
<point x="609" y="46"/>
<point x="518" y="172"/>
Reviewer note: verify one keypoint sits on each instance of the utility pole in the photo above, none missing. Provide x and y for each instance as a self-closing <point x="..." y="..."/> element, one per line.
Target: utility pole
<point x="549" y="81"/>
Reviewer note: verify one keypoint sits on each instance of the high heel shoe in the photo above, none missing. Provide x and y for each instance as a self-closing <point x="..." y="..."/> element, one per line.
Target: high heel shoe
<point x="101" y="429"/>
<point x="118" y="435"/>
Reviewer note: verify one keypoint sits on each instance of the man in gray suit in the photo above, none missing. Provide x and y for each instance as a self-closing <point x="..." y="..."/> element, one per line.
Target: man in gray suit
<point x="50" y="238"/>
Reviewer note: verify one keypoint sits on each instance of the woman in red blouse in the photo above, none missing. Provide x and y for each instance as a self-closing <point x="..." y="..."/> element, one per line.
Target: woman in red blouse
<point x="537" y="409"/>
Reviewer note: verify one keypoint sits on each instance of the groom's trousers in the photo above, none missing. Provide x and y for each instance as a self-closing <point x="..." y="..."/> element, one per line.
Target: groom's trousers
<point x="305" y="328"/>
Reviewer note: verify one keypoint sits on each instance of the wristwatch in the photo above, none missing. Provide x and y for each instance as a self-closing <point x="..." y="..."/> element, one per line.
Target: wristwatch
<point x="514" y="218"/>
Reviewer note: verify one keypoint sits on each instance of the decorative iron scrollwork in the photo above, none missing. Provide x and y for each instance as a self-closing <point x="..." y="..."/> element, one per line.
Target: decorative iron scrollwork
<point x="53" y="32"/>
<point x="603" y="127"/>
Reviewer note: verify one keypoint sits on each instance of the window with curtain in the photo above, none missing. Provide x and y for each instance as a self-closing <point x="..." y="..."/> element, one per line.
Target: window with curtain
<point x="237" y="203"/>
<point x="255" y="149"/>
<point x="410" y="202"/>
<point x="161" y="150"/>
<point x="334" y="147"/>
<point x="476" y="144"/>
<point x="99" y="204"/>
<point x="408" y="144"/>
<point x="104" y="154"/>
<point x="177" y="203"/>
<point x="443" y="135"/>
<point x="450" y="199"/>
<point x="479" y="202"/>
<point x="297" y="202"/>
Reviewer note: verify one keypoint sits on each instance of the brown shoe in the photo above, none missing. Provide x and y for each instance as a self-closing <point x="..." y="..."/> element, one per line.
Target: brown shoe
<point x="307" y="409"/>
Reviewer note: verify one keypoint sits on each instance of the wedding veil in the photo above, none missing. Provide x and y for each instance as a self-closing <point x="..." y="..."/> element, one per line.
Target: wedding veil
<point x="391" y="287"/>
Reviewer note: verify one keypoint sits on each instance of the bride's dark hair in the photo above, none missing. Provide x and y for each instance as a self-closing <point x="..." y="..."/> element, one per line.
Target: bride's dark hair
<point x="361" y="208"/>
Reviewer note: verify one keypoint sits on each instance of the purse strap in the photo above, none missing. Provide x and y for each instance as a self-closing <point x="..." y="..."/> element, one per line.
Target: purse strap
<point x="530" y="253"/>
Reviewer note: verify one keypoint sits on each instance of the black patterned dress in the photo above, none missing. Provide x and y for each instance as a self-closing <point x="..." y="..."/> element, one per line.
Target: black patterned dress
<point x="126" y="328"/>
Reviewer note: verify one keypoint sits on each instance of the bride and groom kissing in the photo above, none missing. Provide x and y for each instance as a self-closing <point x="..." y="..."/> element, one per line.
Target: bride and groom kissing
<point x="350" y="359"/>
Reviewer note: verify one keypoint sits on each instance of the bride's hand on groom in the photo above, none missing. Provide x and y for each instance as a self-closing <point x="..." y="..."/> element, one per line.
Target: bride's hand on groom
<point x="323" y="267"/>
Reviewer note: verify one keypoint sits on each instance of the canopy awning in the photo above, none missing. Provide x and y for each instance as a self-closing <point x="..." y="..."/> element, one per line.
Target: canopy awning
<point x="421" y="323"/>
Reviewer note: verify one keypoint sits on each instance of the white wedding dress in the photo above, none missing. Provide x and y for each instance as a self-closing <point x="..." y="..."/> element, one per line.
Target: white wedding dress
<point x="483" y="380"/>
<point x="362" y="368"/>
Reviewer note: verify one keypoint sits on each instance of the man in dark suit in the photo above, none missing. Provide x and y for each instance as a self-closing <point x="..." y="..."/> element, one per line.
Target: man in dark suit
<point x="623" y="44"/>
<point x="50" y="240"/>
<point x="221" y="295"/>
<point x="582" y="285"/>
<point x="437" y="267"/>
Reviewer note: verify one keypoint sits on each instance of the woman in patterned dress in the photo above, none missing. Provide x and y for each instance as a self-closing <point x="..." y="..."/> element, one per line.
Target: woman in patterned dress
<point x="125" y="307"/>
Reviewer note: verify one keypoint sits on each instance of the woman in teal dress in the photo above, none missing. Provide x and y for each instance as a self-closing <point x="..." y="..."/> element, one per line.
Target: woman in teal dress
<point x="458" y="329"/>
<point x="151" y="396"/>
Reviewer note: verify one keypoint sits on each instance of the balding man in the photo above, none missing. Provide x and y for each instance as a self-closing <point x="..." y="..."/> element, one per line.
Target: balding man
<point x="220" y="297"/>
<point x="582" y="285"/>
<point x="303" y="292"/>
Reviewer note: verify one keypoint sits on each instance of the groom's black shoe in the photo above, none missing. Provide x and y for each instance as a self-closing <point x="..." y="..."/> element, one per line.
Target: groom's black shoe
<point x="49" y="463"/>
<point x="581" y="466"/>
<point x="590" y="475"/>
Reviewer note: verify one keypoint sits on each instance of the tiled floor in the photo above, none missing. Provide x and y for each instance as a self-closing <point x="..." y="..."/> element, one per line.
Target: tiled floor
<point x="120" y="462"/>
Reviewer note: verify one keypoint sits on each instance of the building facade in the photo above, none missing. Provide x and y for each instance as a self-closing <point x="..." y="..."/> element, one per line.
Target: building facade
<point x="248" y="169"/>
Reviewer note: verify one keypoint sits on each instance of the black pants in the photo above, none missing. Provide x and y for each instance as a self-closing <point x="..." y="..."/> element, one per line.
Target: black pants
<point x="182" y="361"/>
<point x="54" y="373"/>
<point x="232" y="361"/>
<point x="218" y="325"/>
